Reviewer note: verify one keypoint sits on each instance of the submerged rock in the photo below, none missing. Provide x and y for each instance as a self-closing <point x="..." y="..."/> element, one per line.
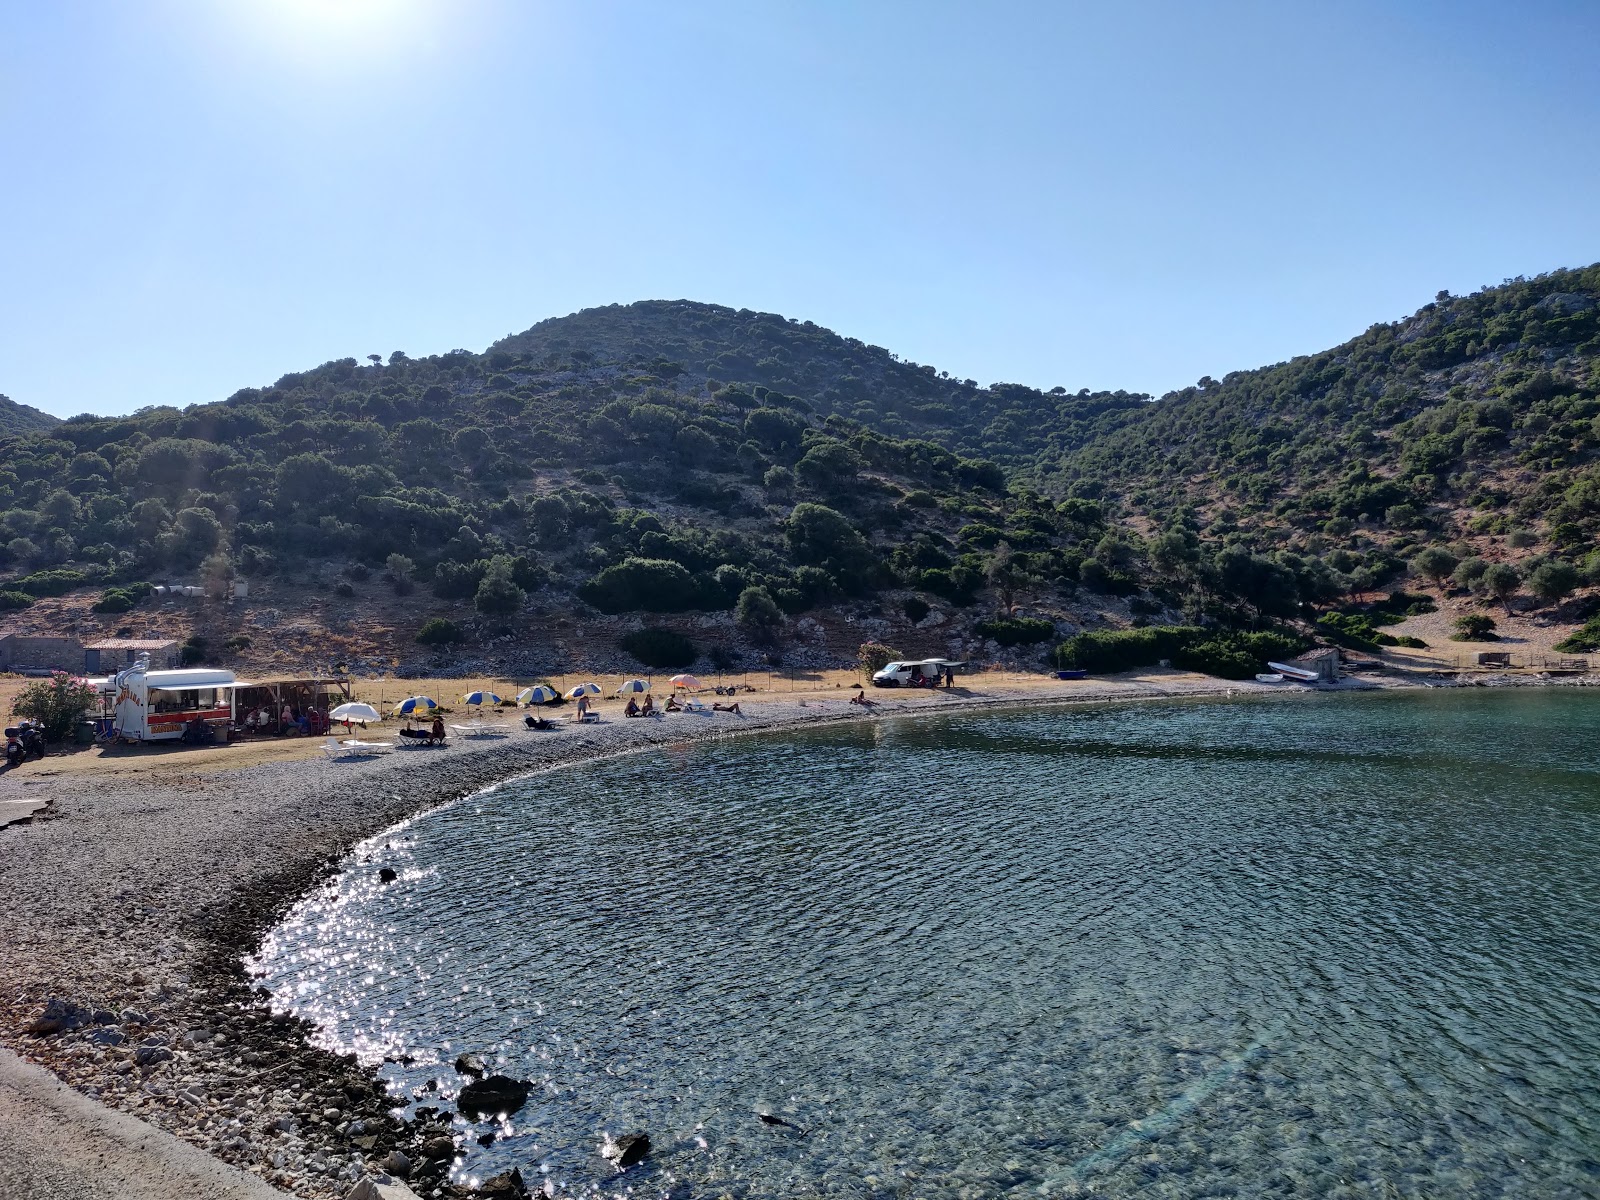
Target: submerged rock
<point x="627" y="1149"/>
<point x="508" y="1185"/>
<point x="388" y="874"/>
<point x="496" y="1094"/>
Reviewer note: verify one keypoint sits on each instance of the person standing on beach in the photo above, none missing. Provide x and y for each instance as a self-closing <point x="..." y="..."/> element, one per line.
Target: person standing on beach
<point x="583" y="709"/>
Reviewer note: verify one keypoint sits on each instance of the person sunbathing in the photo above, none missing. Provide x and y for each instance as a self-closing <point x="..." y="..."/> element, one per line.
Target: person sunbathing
<point x="673" y="705"/>
<point x="861" y="698"/>
<point x="436" y="730"/>
<point x="649" y="709"/>
<point x="730" y="708"/>
<point x="633" y="708"/>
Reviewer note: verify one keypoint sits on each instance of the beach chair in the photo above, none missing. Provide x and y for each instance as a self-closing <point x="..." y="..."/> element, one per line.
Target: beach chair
<point x="335" y="749"/>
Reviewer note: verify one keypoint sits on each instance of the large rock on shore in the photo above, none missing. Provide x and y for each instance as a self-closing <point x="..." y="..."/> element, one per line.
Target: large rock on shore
<point x="496" y="1094"/>
<point x="471" y="1065"/>
<point x="60" y="1016"/>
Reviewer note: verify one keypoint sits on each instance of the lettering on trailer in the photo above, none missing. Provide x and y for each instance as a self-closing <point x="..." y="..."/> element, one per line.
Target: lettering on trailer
<point x="174" y="722"/>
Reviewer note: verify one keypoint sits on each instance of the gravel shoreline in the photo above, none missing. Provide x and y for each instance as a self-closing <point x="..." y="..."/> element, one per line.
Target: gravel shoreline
<point x="131" y="903"/>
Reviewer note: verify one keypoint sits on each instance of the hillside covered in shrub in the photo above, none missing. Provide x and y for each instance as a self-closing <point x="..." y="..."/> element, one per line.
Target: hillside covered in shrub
<point x="669" y="457"/>
<point x="1476" y="422"/>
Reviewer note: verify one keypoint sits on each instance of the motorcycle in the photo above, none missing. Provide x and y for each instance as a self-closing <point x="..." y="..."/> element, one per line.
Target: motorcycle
<point x="22" y="741"/>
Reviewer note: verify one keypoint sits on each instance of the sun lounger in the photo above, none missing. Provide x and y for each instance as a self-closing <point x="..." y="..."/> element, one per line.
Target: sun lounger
<point x="480" y="729"/>
<point x="353" y="748"/>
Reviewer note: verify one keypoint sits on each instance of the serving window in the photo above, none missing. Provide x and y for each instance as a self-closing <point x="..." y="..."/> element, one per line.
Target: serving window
<point x="166" y="700"/>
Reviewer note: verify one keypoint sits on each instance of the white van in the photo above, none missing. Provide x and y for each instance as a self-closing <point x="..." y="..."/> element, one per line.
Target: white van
<point x="926" y="672"/>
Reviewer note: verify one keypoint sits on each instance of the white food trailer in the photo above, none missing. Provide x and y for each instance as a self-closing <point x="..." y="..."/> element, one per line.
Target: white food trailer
<point x="155" y="706"/>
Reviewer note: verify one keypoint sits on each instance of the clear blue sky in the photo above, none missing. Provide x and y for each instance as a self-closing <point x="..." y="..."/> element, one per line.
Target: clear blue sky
<point x="199" y="195"/>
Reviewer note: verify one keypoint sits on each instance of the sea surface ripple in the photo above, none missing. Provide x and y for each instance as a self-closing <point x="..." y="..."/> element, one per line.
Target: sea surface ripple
<point x="1336" y="946"/>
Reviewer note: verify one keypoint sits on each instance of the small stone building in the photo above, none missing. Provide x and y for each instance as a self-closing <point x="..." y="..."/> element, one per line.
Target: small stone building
<point x="39" y="652"/>
<point x="110" y="655"/>
<point x="1324" y="661"/>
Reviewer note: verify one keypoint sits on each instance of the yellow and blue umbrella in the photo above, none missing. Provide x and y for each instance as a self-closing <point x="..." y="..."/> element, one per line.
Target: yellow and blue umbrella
<point x="538" y="695"/>
<point x="633" y="687"/>
<point x="481" y="698"/>
<point x="414" y="704"/>
<point x="583" y="689"/>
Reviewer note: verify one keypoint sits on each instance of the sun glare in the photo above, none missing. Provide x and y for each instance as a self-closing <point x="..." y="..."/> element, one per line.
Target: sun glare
<point x="313" y="28"/>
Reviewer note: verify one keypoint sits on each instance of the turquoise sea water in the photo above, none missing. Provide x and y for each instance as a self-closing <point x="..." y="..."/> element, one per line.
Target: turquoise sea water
<point x="1333" y="946"/>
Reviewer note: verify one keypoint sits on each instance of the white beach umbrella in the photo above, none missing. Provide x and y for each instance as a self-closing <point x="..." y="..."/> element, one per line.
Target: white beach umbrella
<point x="633" y="687"/>
<point x="538" y="695"/>
<point x="355" y="711"/>
<point x="691" y="682"/>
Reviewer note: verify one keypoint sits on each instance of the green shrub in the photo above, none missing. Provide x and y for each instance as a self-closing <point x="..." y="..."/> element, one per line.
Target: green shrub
<point x="1230" y="654"/>
<point x="1124" y="649"/>
<point x="1474" y="627"/>
<point x="14" y="600"/>
<point x="874" y="656"/>
<point x="642" y="585"/>
<point x="439" y="631"/>
<point x="915" y="609"/>
<point x="499" y="595"/>
<point x="659" y="648"/>
<point x="1016" y="631"/>
<point x="758" y="613"/>
<point x="51" y="583"/>
<point x="1582" y="641"/>
<point x="458" y="581"/>
<point x="193" y="651"/>
<point x="57" y="704"/>
<point x="1352" y="630"/>
<point x="122" y="598"/>
<point x="1220" y="657"/>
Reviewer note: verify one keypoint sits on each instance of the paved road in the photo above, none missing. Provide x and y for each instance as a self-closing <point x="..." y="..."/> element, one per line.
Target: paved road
<point x="59" y="1145"/>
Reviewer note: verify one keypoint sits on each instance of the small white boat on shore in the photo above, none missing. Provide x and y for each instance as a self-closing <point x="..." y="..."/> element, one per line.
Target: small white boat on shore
<point x="1269" y="677"/>
<point x="1298" y="674"/>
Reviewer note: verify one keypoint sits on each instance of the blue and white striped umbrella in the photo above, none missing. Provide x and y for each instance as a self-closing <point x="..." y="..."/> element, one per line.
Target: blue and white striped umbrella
<point x="633" y="687"/>
<point x="538" y="695"/>
<point x="583" y="689"/>
<point x="416" y="703"/>
<point x="481" y="698"/>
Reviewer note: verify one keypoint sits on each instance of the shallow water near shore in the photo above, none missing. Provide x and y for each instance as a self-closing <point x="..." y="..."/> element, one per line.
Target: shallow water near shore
<point x="1338" y="945"/>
